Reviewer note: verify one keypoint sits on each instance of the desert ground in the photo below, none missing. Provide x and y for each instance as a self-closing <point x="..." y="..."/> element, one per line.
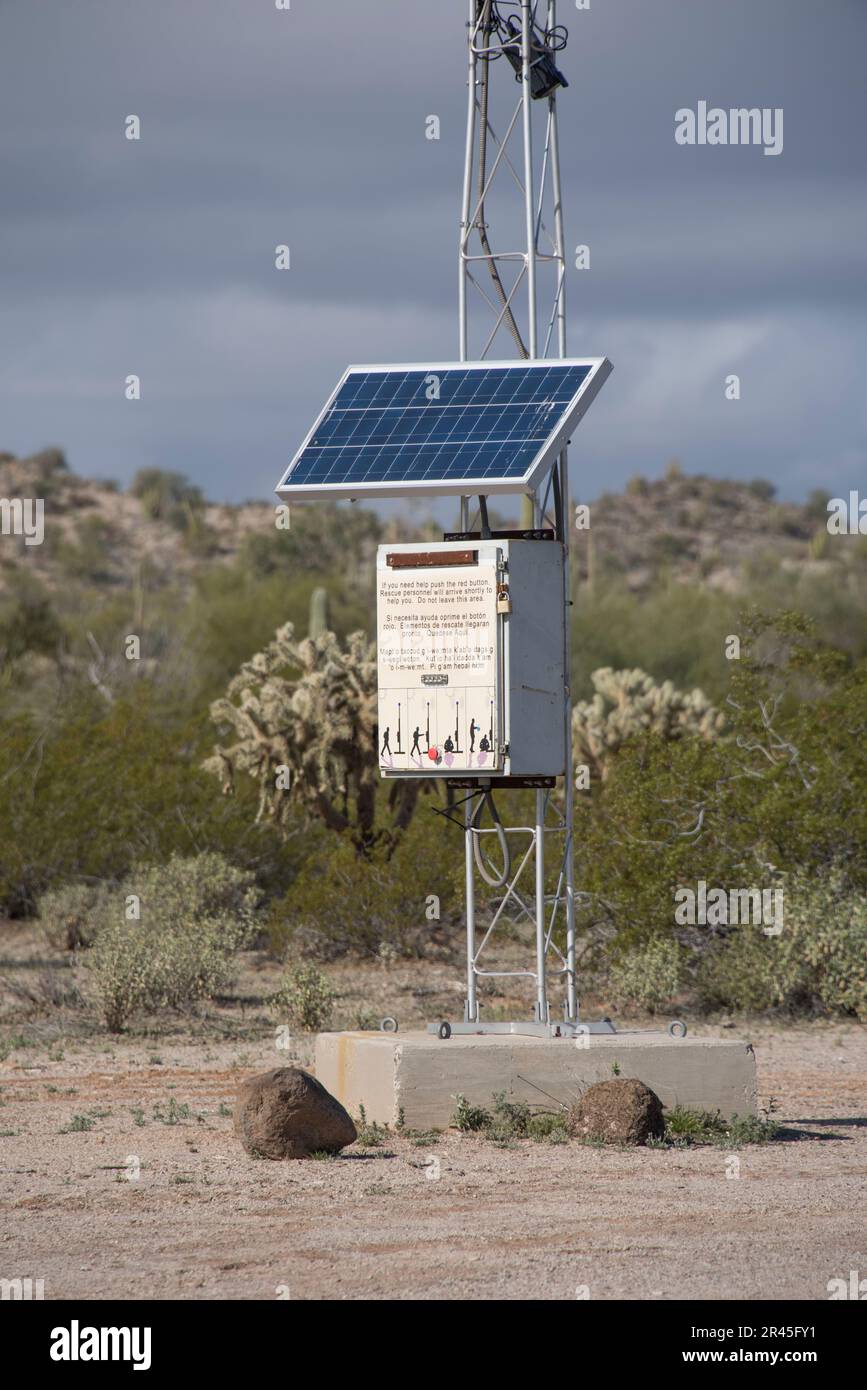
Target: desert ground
<point x="122" y="1178"/>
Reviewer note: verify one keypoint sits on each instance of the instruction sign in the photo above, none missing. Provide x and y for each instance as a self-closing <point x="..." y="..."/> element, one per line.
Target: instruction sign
<point x="438" y="663"/>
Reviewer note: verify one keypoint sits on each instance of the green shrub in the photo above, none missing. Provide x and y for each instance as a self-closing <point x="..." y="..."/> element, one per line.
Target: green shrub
<point x="199" y="538"/>
<point x="86" y="795"/>
<point x="668" y="546"/>
<point x="305" y="998"/>
<point x="647" y="976"/>
<point x="28" y="620"/>
<point x="761" y="488"/>
<point x="684" y="1127"/>
<point x="234" y="612"/>
<point x="469" y="1118"/>
<point x="785" y="791"/>
<point x="817" y="504"/>
<point x="510" y="1120"/>
<point x="88" y="557"/>
<point x="340" y="902"/>
<point x="824" y="944"/>
<point x="204" y="885"/>
<point x="737" y="973"/>
<point x="70" y="915"/>
<point x="548" y="1127"/>
<point x="79" y="1124"/>
<point x="321" y="539"/>
<point x="722" y="492"/>
<point x="195" y="915"/>
<point x="371" y="1134"/>
<point x="675" y="633"/>
<point x="817" y="964"/>
<point x="752" y="1129"/>
<point x="167" y="496"/>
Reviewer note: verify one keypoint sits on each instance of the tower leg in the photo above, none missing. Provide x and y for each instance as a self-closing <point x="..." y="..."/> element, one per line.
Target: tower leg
<point x="571" y="1006"/>
<point x="541" y="1008"/>
<point x="531" y="265"/>
<point x="529" y="203"/>
<point x="471" y="1006"/>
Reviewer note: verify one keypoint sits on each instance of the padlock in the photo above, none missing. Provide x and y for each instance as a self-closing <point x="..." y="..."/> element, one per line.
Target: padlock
<point x="504" y="603"/>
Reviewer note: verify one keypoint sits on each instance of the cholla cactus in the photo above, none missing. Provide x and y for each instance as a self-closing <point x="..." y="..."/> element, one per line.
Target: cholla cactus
<point x="627" y="703"/>
<point x="309" y="739"/>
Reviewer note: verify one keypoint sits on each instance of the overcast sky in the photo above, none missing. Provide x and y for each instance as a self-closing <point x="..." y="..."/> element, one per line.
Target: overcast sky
<point x="307" y="127"/>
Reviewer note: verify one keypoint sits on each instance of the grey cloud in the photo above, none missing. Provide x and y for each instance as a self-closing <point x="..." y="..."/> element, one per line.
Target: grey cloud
<point x="308" y="127"/>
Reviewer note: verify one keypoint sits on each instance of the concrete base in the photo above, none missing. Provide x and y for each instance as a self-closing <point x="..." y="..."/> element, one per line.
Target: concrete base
<point x="420" y="1075"/>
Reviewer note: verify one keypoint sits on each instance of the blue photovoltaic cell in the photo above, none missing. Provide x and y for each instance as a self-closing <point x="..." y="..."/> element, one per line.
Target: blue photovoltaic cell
<point x="486" y="423"/>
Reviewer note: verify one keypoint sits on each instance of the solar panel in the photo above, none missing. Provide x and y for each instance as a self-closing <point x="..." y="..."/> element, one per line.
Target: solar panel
<point x="459" y="428"/>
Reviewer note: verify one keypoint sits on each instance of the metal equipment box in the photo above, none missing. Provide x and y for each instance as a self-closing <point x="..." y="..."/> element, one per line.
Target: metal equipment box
<point x="470" y="650"/>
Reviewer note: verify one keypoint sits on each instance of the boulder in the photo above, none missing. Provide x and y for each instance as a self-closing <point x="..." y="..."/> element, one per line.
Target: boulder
<point x="621" y="1111"/>
<point x="287" y="1113"/>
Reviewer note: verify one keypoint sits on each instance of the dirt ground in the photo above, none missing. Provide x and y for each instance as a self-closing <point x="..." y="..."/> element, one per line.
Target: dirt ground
<point x="120" y="1176"/>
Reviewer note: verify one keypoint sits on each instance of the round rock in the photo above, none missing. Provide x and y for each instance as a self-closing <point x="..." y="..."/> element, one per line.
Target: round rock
<point x="287" y="1113"/>
<point x="621" y="1111"/>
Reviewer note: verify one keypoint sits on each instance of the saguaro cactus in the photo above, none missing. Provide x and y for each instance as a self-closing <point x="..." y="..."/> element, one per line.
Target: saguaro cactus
<point x="318" y="613"/>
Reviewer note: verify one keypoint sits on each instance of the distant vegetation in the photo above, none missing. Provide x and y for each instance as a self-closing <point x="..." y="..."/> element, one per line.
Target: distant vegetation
<point x="135" y="626"/>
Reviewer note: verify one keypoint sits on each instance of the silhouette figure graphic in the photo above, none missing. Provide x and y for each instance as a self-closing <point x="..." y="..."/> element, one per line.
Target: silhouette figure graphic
<point x="385" y="748"/>
<point x="474" y="729"/>
<point x="416" y="735"/>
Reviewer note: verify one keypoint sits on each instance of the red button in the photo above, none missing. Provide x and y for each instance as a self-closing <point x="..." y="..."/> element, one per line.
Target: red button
<point x="432" y="754"/>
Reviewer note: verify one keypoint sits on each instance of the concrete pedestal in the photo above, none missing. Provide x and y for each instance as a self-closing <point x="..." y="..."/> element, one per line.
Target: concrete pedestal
<point x="419" y="1074"/>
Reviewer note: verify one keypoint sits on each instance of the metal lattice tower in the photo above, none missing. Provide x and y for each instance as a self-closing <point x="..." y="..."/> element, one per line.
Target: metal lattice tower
<point x="512" y="292"/>
<point x="543" y="245"/>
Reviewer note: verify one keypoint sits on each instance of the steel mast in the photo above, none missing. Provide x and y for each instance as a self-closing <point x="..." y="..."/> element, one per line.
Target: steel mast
<point x="537" y="269"/>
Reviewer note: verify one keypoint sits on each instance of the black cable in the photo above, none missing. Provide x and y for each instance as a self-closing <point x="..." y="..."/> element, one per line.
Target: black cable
<point x="483" y="865"/>
<point x="554" y="39"/>
<point x="558" y="505"/>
